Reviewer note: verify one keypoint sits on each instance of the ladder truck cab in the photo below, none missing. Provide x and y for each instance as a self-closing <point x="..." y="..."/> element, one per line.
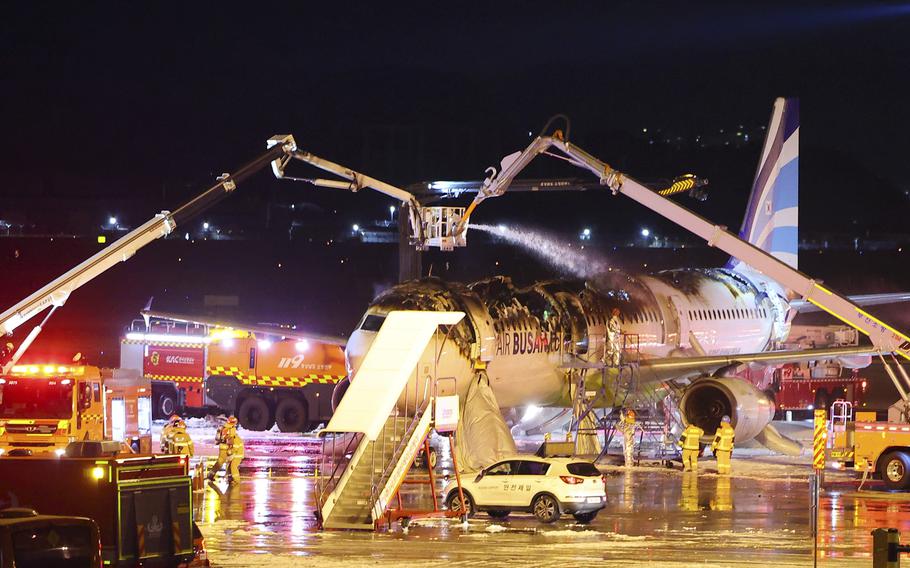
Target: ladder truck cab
<point x="45" y="407"/>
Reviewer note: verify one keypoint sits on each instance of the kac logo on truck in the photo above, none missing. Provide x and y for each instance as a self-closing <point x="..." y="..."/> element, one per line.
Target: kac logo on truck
<point x="155" y="359"/>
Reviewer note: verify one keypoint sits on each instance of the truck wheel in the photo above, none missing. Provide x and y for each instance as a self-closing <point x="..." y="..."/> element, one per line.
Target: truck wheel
<point x="822" y="402"/>
<point x="254" y="414"/>
<point x="895" y="470"/>
<point x="167" y="404"/>
<point x="290" y="415"/>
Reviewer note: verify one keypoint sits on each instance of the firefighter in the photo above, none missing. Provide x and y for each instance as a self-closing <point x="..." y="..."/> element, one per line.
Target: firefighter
<point x="178" y="440"/>
<point x="628" y="426"/>
<point x="614" y="337"/>
<point x="690" y="444"/>
<point x="166" y="433"/>
<point x="222" y="437"/>
<point x="235" y="455"/>
<point x="722" y="446"/>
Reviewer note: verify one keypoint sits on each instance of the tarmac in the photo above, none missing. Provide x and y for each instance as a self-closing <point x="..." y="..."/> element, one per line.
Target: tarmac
<point x="655" y="516"/>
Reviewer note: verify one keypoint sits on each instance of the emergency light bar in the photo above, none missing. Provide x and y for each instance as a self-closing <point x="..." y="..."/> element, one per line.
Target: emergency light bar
<point x="165" y="337"/>
<point x="47" y="370"/>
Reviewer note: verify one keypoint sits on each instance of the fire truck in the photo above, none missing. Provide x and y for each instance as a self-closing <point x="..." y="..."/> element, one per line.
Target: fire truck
<point x="143" y="505"/>
<point x="264" y="376"/>
<point x="44" y="407"/>
<point x="816" y="384"/>
<point x="870" y="447"/>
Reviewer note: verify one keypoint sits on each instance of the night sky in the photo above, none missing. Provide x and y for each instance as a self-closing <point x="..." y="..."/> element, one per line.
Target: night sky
<point x="127" y="109"/>
<point x="105" y="102"/>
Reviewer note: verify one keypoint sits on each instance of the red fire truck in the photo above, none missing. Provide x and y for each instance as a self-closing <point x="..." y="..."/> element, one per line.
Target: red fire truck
<point x="802" y="387"/>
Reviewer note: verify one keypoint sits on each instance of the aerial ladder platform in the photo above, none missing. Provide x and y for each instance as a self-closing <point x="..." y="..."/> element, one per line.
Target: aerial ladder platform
<point x="382" y="422"/>
<point x="886" y="340"/>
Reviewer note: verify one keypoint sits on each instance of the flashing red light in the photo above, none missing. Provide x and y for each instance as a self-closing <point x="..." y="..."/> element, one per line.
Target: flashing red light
<point x="571" y="480"/>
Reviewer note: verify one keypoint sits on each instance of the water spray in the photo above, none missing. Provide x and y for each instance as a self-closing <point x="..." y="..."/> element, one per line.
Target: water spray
<point x="554" y="251"/>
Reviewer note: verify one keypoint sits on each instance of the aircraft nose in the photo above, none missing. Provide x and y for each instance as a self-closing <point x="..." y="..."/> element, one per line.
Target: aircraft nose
<point x="357" y="347"/>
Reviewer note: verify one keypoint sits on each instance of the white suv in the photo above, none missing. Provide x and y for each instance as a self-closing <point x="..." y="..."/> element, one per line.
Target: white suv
<point x="547" y="487"/>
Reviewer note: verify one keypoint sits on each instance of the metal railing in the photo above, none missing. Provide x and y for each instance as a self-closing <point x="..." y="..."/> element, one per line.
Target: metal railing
<point x="335" y="457"/>
<point x="390" y="460"/>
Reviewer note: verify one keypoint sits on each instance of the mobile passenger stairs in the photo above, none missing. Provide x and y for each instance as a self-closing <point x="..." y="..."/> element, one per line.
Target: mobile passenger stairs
<point x="382" y="423"/>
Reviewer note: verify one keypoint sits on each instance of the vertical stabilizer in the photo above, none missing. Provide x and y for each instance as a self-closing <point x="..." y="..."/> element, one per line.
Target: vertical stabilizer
<point x="772" y="218"/>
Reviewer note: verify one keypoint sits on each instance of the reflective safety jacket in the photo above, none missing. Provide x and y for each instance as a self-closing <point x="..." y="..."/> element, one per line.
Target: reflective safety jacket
<point x="691" y="437"/>
<point x="234" y="444"/>
<point x="723" y="438"/>
<point x="178" y="441"/>
<point x="614" y="330"/>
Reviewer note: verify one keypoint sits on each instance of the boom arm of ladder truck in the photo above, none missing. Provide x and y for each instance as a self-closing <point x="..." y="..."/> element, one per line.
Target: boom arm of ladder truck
<point x="56" y="292"/>
<point x="355" y="182"/>
<point x="884" y="338"/>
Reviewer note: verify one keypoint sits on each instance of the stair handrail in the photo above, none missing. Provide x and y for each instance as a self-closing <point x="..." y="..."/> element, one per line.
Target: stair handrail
<point x="326" y="487"/>
<point x="376" y="487"/>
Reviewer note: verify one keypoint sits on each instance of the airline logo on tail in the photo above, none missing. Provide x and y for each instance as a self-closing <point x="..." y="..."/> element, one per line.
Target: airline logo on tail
<point x="772" y="219"/>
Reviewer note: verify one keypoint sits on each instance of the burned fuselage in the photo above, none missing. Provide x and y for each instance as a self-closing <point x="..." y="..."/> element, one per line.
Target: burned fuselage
<point x="531" y="338"/>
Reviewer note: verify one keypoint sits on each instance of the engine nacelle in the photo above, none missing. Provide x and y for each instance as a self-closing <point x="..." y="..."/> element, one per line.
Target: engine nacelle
<point x="709" y="399"/>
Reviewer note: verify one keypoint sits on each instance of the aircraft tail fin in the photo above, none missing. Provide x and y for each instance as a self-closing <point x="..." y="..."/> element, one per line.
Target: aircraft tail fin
<point x="772" y="217"/>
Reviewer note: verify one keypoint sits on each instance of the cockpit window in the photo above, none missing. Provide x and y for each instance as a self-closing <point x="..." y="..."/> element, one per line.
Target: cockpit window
<point x="372" y="323"/>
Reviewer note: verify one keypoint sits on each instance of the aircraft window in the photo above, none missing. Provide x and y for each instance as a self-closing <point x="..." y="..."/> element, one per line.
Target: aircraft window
<point x="372" y="323"/>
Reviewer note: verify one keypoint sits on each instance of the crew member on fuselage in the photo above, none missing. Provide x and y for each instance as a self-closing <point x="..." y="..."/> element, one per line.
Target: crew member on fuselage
<point x="614" y="339"/>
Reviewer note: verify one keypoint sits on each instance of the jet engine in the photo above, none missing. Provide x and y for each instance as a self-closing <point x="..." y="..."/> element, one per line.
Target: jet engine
<point x="709" y="399"/>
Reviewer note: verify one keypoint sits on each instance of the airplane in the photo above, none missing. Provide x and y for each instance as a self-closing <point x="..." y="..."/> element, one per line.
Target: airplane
<point x="692" y="328"/>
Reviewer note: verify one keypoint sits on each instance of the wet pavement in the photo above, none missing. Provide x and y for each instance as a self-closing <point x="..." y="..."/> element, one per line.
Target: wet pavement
<point x="655" y="516"/>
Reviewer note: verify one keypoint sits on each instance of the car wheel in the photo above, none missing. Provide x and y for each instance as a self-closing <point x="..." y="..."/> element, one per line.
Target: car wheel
<point x="546" y="509"/>
<point x="290" y="415"/>
<point x="453" y="502"/>
<point x="498" y="515"/>
<point x="254" y="414"/>
<point x="895" y="470"/>
<point x="585" y="518"/>
<point x="432" y="458"/>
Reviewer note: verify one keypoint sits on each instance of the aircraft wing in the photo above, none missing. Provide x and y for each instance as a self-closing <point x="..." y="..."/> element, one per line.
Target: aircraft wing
<point x="666" y="368"/>
<point x="290" y="333"/>
<point x="802" y="306"/>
